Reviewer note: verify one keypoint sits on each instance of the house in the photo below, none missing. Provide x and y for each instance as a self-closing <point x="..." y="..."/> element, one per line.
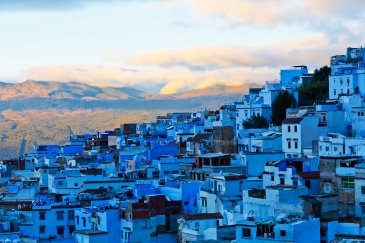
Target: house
<point x="91" y="236"/>
<point x="143" y="220"/>
<point x="299" y="132"/>
<point x="46" y="208"/>
<point x="104" y="217"/>
<point x="336" y="145"/>
<point x="293" y="172"/>
<point x="213" y="163"/>
<point x="260" y="142"/>
<point x="347" y="74"/>
<point x="191" y="227"/>
<point x="201" y="143"/>
<point x="221" y="192"/>
<point x="283" y="228"/>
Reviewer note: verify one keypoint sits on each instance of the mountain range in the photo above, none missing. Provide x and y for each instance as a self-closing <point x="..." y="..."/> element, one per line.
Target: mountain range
<point x="45" y="112"/>
<point x="71" y="96"/>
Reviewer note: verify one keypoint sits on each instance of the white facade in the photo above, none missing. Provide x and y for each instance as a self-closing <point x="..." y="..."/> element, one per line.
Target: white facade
<point x="292" y="138"/>
<point x="299" y="133"/>
<point x="300" y="231"/>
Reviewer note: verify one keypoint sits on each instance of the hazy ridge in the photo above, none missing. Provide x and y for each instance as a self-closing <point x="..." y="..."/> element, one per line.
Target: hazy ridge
<point x="42" y="111"/>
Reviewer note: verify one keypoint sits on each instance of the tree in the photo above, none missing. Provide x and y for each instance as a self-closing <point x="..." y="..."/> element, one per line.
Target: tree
<point x="317" y="89"/>
<point x="256" y="121"/>
<point x="281" y="102"/>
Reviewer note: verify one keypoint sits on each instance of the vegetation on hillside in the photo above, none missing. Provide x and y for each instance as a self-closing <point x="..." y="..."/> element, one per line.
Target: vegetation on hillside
<point x="317" y="89"/>
<point x="256" y="121"/>
<point x="283" y="101"/>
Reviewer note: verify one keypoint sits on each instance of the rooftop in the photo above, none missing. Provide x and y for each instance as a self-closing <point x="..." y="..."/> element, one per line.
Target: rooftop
<point x="202" y="216"/>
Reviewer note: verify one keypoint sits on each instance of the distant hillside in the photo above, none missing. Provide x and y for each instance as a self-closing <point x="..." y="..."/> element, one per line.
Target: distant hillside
<point x="71" y="96"/>
<point x="43" y="112"/>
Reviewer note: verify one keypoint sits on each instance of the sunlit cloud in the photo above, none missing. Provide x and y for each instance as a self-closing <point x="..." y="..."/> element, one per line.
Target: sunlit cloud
<point x="310" y="51"/>
<point x="165" y="81"/>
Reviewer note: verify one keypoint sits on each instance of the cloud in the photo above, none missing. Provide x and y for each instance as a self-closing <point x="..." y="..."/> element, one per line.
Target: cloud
<point x="274" y="12"/>
<point x="314" y="51"/>
<point x="335" y="18"/>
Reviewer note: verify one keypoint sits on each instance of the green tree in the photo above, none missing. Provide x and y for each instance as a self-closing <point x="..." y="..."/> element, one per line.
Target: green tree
<point x="256" y="121"/>
<point x="315" y="90"/>
<point x="282" y="101"/>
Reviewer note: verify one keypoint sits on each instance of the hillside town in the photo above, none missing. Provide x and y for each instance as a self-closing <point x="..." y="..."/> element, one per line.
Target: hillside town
<point x="205" y="176"/>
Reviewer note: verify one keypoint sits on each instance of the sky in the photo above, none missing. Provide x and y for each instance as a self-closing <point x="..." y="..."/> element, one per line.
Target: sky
<point x="169" y="46"/>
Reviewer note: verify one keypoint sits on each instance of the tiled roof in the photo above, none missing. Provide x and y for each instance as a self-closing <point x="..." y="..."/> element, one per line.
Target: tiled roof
<point x="293" y="120"/>
<point x="309" y="175"/>
<point x="201" y="136"/>
<point x="202" y="216"/>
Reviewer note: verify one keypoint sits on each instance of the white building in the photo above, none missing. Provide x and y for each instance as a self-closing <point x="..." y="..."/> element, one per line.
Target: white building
<point x="191" y="227"/>
<point x="99" y="218"/>
<point x="335" y="144"/>
<point x="284" y="228"/>
<point x="298" y="134"/>
<point x="221" y="192"/>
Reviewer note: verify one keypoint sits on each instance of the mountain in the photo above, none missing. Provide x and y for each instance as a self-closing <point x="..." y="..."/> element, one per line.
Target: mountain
<point x="58" y="90"/>
<point x="44" y="112"/>
<point x="44" y="95"/>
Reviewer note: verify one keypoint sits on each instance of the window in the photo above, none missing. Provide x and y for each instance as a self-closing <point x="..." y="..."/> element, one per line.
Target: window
<point x="60" y="183"/>
<point x="327" y="148"/>
<point x="77" y="220"/>
<point x="220" y="188"/>
<point x="60" y="230"/>
<point x="295" y="144"/>
<point x="84" y="221"/>
<point x="42" y="229"/>
<point x="71" y="228"/>
<point x="335" y="149"/>
<point x="307" y="183"/>
<point x="272" y="177"/>
<point x="42" y="215"/>
<point x="71" y="214"/>
<point x="295" y="182"/>
<point x="282" y="181"/>
<point x="288" y="128"/>
<point x="59" y="215"/>
<point x="76" y="184"/>
<point x="289" y="144"/>
<point x="348" y="183"/>
<point x="334" y="92"/>
<point x="197" y="225"/>
<point x="295" y="129"/>
<point x="204" y="202"/>
<point x="362" y="209"/>
<point x="246" y="232"/>
<point x="363" y="190"/>
<point x="282" y="233"/>
<point x="264" y="230"/>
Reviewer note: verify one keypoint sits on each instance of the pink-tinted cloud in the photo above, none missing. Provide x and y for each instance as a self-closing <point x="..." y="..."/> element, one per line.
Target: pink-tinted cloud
<point x="312" y="51"/>
<point x="167" y="81"/>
